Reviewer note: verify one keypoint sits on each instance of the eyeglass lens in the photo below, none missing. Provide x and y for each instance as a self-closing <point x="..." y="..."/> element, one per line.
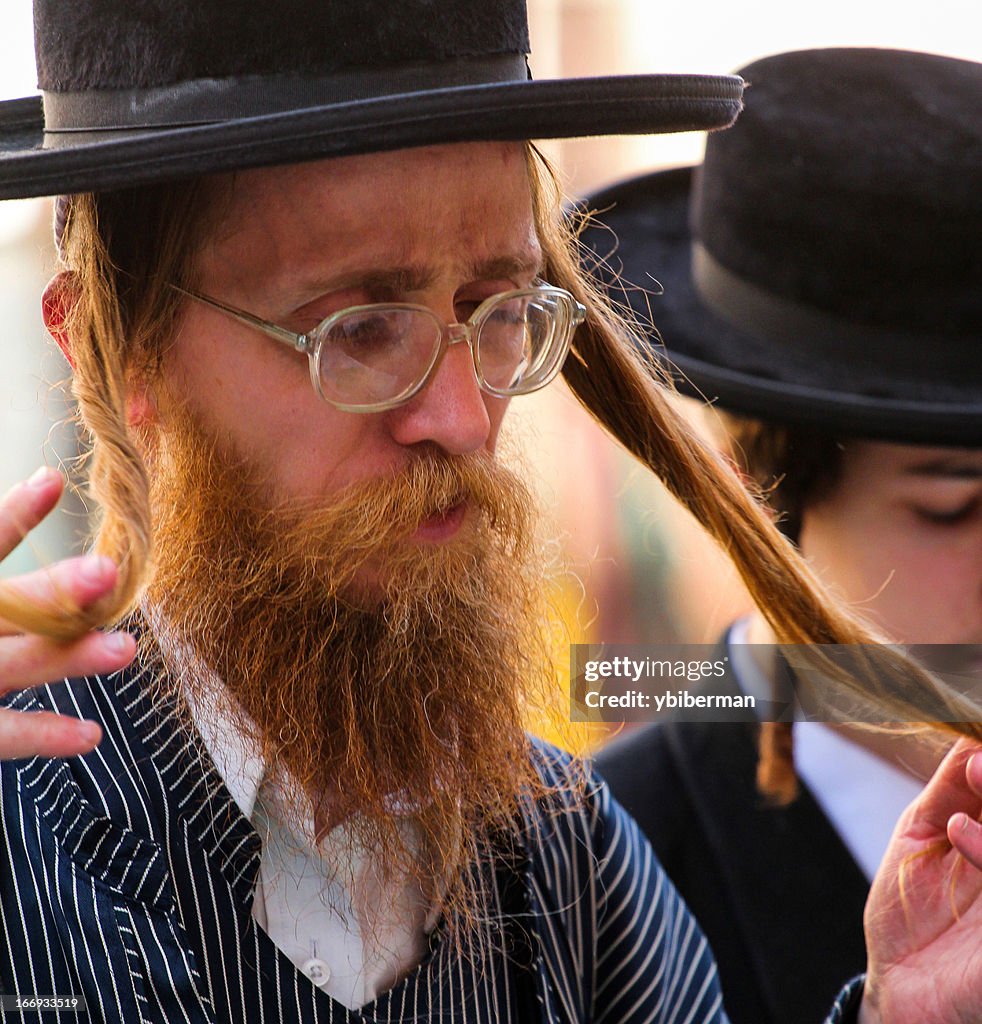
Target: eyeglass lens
<point x="378" y="355"/>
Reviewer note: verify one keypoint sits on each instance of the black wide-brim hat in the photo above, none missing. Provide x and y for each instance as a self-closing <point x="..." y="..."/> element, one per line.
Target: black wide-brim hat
<point x="823" y="266"/>
<point x="138" y="91"/>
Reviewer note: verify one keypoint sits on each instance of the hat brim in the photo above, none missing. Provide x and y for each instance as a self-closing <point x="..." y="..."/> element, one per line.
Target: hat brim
<point x="35" y="164"/>
<point x="646" y="241"/>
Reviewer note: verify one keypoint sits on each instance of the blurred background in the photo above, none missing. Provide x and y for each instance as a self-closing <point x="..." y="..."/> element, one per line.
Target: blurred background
<point x="639" y="568"/>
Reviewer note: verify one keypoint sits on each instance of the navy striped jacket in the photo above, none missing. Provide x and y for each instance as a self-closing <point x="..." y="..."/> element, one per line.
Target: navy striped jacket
<point x="127" y="875"/>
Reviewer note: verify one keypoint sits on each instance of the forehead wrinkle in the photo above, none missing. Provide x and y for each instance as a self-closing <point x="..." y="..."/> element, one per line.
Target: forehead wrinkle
<point x="412" y="233"/>
<point x="381" y="267"/>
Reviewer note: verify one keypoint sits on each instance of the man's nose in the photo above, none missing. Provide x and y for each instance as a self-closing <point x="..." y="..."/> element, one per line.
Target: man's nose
<point x="450" y="411"/>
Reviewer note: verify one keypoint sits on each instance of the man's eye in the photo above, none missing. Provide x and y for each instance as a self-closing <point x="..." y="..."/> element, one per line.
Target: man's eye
<point x="510" y="313"/>
<point x="948" y="516"/>
<point x="366" y="331"/>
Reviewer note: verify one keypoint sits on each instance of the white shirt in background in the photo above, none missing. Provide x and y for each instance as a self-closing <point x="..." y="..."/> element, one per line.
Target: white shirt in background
<point x="861" y="793"/>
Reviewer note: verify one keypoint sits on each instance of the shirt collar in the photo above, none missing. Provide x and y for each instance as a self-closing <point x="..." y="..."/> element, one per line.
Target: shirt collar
<point x="223" y="727"/>
<point x="236" y="756"/>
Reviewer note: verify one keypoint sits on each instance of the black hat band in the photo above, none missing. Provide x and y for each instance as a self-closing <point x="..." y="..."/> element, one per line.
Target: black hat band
<point x="826" y="336"/>
<point x="211" y="100"/>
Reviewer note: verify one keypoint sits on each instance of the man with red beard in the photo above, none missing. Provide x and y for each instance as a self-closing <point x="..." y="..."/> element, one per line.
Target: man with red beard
<point x="305" y="272"/>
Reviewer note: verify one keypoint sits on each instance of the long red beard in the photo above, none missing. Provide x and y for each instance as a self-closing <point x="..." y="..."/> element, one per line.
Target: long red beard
<point x="369" y="665"/>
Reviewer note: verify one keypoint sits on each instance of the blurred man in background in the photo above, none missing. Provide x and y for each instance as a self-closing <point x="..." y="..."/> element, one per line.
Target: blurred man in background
<point x="822" y="284"/>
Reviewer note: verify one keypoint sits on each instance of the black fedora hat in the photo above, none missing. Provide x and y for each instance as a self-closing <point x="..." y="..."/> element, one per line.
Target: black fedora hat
<point x="823" y="266"/>
<point x="136" y="91"/>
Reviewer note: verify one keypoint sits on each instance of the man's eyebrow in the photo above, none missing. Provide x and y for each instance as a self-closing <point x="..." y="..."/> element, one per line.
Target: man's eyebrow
<point x="522" y="264"/>
<point x="401" y="280"/>
<point x="391" y="281"/>
<point x="951" y="467"/>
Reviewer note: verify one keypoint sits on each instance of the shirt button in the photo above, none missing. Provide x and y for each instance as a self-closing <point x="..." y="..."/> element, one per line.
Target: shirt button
<point x="318" y="971"/>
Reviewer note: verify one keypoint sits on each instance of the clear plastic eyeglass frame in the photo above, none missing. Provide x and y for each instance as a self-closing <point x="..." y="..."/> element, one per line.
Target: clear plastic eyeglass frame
<point x="565" y="312"/>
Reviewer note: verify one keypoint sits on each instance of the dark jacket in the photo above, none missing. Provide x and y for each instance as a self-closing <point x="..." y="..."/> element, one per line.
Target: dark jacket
<point x="779" y="896"/>
<point x="127" y="877"/>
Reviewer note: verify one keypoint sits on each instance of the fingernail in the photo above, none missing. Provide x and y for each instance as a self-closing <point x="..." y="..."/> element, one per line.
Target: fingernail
<point x="95" y="568"/>
<point x="41" y="476"/>
<point x="118" y="643"/>
<point x="88" y="732"/>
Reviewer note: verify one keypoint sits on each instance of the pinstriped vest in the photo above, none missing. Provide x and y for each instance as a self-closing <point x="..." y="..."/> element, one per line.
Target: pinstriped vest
<point x="127" y="876"/>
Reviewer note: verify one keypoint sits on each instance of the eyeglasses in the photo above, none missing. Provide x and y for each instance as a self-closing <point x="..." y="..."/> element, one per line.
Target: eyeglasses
<point x="375" y="357"/>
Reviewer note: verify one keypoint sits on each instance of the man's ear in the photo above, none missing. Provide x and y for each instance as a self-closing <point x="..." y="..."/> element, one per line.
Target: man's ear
<point x="56" y="305"/>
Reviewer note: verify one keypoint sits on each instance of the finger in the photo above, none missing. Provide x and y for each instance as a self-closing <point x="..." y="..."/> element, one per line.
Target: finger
<point x="31" y="660"/>
<point x="973" y="772"/>
<point x="965" y="835"/>
<point x="947" y="793"/>
<point x="44" y="734"/>
<point x="72" y="583"/>
<point x="25" y="505"/>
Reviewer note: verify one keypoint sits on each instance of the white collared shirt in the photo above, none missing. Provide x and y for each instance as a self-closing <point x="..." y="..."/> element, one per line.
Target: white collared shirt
<point x="326" y="907"/>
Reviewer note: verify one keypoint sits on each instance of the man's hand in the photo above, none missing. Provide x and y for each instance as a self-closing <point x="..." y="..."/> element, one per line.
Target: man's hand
<point x="924" y="913"/>
<point x="27" y="660"/>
